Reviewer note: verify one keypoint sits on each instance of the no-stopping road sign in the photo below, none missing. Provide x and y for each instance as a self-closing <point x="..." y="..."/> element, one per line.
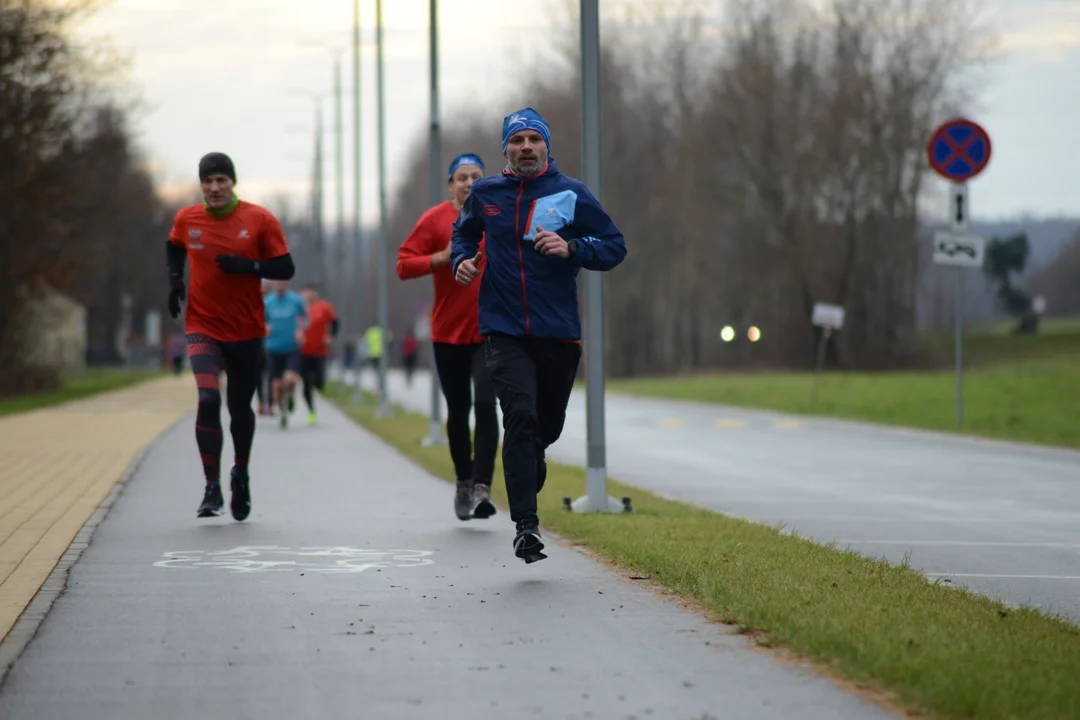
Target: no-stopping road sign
<point x="959" y="150"/>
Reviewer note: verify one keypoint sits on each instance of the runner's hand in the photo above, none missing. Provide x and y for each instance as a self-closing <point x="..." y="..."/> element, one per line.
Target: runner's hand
<point x="236" y="265"/>
<point x="548" y="243"/>
<point x="467" y="270"/>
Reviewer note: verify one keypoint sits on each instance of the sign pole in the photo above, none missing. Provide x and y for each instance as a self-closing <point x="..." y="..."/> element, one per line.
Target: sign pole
<point x="958" y="216"/>
<point x="828" y="317"/>
<point x="822" y="343"/>
<point x="959" y="348"/>
<point x="958" y="151"/>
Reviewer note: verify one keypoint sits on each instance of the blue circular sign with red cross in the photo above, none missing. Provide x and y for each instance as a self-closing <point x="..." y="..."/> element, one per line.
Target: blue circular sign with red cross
<point x="959" y="150"/>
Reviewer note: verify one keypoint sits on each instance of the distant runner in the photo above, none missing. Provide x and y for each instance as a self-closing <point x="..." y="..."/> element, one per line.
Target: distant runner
<point x="322" y="328"/>
<point x="286" y="317"/>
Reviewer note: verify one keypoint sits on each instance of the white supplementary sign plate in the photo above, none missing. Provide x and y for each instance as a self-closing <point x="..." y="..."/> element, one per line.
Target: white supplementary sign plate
<point x="272" y="558"/>
<point x="828" y="316"/>
<point x="958" y="250"/>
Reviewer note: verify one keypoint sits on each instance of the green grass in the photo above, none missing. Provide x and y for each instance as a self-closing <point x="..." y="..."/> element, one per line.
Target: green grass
<point x="1016" y="388"/>
<point x="79" y="385"/>
<point x="924" y="647"/>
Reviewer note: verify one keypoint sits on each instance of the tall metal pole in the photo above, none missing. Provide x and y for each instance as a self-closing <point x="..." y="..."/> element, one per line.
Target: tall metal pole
<point x="435" y="435"/>
<point x="384" y="300"/>
<point x="596" y="498"/>
<point x="959" y="348"/>
<point x="358" y="247"/>
<point x="320" y="234"/>
<point x="340" y="297"/>
<point x="959" y="221"/>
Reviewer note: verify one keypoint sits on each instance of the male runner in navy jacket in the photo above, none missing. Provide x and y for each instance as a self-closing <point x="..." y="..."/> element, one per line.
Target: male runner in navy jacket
<point x="541" y="228"/>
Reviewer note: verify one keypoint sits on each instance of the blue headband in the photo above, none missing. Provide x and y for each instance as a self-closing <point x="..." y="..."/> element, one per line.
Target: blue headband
<point x="524" y="119"/>
<point x="464" y="159"/>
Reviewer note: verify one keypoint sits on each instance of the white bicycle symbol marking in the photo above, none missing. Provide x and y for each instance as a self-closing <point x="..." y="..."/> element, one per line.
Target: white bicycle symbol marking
<point x="345" y="560"/>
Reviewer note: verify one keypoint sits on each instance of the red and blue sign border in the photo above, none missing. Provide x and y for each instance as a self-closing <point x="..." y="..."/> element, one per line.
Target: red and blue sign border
<point x="950" y="150"/>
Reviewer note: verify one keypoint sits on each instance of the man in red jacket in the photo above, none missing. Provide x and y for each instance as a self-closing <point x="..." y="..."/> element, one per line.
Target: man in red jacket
<point x="459" y="354"/>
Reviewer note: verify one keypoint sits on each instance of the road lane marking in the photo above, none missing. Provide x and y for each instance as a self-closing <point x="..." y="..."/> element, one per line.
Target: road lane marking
<point x="965" y="543"/>
<point x="988" y="576"/>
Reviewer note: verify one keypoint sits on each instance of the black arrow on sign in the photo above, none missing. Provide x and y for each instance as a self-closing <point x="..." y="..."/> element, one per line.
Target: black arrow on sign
<point x="959" y="209"/>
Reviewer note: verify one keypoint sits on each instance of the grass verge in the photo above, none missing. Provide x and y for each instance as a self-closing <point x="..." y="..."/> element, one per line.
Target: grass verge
<point x="939" y="651"/>
<point x="1022" y="391"/>
<point x="79" y="385"/>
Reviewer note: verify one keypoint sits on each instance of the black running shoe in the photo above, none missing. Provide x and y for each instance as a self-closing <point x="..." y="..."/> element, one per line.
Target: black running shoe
<point x="463" y="500"/>
<point x="240" y="501"/>
<point x="483" y="508"/>
<point x="527" y="544"/>
<point x="212" y="503"/>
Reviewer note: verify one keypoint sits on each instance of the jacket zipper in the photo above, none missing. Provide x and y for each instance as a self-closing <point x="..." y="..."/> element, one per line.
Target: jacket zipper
<point x="521" y="253"/>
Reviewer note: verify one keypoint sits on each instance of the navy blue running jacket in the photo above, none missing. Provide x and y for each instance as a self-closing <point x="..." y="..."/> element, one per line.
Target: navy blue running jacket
<point x="522" y="292"/>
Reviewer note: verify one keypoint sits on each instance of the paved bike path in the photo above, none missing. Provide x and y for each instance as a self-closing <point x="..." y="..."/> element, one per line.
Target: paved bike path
<point x="353" y="591"/>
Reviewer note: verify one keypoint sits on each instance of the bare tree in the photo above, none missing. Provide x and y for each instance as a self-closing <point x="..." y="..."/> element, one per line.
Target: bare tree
<point x="80" y="210"/>
<point x="760" y="156"/>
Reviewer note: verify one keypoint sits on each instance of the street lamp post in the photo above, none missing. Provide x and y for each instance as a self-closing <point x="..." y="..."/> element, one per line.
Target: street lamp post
<point x="339" y="181"/>
<point x="317" y="180"/>
<point x="358" y="247"/>
<point x="383" y="279"/>
<point x="435" y="435"/>
<point x="317" y="209"/>
<point x="596" y="498"/>
<point x="339" y="276"/>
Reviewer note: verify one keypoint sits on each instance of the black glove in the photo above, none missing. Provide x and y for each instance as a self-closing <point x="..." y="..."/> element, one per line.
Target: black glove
<point x="236" y="265"/>
<point x="176" y="294"/>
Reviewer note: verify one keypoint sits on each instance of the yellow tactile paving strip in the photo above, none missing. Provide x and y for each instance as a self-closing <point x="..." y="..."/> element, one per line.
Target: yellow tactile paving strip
<point x="58" y="464"/>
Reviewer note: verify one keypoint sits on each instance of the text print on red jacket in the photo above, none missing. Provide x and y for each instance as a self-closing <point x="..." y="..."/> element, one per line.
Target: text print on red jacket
<point x="523" y="292"/>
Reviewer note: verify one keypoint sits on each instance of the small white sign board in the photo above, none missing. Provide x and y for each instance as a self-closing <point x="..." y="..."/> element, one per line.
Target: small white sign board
<point x="958" y="207"/>
<point x="958" y="250"/>
<point x="422" y="328"/>
<point x="153" y="328"/>
<point x="828" y="316"/>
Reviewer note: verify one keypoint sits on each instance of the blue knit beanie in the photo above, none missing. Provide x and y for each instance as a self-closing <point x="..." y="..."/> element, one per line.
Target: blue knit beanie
<point x="525" y="119"/>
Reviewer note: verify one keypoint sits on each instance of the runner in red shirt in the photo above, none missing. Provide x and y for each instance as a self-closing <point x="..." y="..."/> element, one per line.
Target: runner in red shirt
<point x="455" y="332"/>
<point x="231" y="244"/>
<point x="321" y="330"/>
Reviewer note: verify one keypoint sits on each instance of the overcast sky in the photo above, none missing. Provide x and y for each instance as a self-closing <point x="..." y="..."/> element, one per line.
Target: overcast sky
<point x="225" y="77"/>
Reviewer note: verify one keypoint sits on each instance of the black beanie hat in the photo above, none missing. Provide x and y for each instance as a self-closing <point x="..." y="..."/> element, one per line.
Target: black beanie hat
<point x="216" y="163"/>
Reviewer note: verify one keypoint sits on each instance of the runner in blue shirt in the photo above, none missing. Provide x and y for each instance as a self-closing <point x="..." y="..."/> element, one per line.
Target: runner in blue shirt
<point x="286" y="320"/>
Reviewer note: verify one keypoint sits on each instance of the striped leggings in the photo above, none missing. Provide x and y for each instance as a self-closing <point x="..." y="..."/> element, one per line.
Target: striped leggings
<point x="240" y="360"/>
